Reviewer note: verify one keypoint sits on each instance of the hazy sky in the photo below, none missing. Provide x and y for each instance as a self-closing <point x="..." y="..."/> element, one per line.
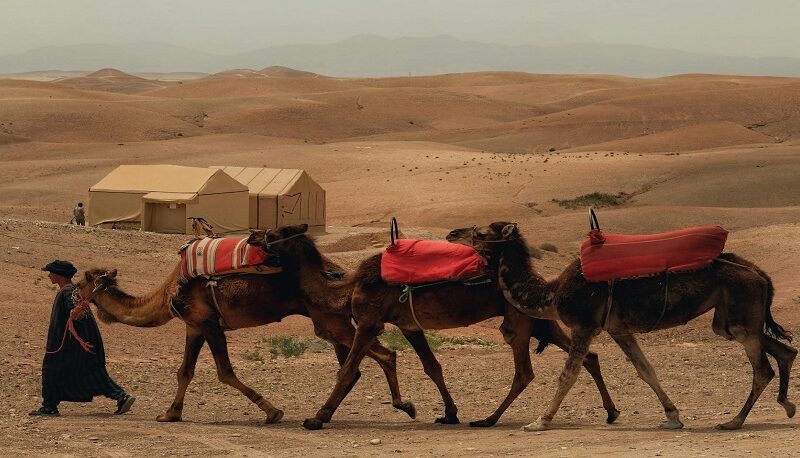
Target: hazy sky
<point x="726" y="27"/>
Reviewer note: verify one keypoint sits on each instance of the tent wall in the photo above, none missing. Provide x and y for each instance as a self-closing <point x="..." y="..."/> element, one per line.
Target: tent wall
<point x="280" y="197"/>
<point x="162" y="196"/>
<point x="164" y="217"/>
<point x="267" y="212"/>
<point x="303" y="201"/>
<point x="109" y="207"/>
<point x="227" y="212"/>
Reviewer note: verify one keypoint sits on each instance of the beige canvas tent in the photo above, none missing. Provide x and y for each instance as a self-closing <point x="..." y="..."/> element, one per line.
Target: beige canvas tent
<point x="162" y="197"/>
<point x="279" y="197"/>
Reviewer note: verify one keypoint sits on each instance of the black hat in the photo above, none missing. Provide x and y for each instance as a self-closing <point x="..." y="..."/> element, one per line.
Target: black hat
<point x="63" y="268"/>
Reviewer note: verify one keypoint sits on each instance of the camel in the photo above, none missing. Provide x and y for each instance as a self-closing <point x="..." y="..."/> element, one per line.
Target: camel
<point x="243" y="301"/>
<point x="739" y="292"/>
<point x="374" y="303"/>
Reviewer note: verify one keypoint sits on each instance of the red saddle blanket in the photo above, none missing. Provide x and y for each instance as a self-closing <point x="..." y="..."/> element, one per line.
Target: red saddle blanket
<point x="215" y="256"/>
<point x="423" y="261"/>
<point x="609" y="256"/>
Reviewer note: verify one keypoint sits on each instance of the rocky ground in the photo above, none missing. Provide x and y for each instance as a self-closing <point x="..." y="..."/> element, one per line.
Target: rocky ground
<point x="707" y="378"/>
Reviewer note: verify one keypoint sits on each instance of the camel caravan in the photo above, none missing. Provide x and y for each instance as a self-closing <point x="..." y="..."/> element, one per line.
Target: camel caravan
<point x="622" y="284"/>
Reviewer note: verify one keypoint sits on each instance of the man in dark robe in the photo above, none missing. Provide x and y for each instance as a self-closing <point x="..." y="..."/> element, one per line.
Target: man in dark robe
<point x="70" y="372"/>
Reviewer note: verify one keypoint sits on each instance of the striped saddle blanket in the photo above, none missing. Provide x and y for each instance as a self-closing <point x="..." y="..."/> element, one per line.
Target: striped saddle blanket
<point x="208" y="257"/>
<point x="607" y="257"/>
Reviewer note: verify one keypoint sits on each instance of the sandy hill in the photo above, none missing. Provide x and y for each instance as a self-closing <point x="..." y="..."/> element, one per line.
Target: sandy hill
<point x="113" y="80"/>
<point x="496" y="111"/>
<point x="286" y="72"/>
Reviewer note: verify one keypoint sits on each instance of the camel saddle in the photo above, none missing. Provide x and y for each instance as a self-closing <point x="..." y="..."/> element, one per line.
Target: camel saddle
<point x="409" y="261"/>
<point x="213" y="257"/>
<point x="606" y="257"/>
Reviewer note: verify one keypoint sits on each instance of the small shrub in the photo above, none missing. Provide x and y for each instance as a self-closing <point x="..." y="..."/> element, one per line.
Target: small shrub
<point x="595" y="199"/>
<point x="465" y="340"/>
<point x="393" y="339"/>
<point x="287" y="346"/>
<point x="549" y="247"/>
<point x="254" y="355"/>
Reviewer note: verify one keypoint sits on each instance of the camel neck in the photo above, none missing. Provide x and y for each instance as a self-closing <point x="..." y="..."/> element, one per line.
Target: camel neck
<point x="151" y="309"/>
<point x="521" y="284"/>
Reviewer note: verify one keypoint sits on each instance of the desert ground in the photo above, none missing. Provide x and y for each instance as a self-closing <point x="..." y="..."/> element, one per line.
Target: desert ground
<point x="437" y="152"/>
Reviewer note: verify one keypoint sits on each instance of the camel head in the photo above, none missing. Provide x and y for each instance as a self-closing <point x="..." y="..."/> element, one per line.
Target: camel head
<point x="490" y="240"/>
<point x="290" y="243"/>
<point x="475" y="236"/>
<point x="95" y="281"/>
<point x="269" y="239"/>
<point x="462" y="235"/>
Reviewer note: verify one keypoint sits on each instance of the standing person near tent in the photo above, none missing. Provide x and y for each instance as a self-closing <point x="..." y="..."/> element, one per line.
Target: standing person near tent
<point x="74" y="367"/>
<point x="79" y="214"/>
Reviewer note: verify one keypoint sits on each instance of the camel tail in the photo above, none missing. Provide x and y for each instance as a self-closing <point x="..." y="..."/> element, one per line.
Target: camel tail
<point x="543" y="331"/>
<point x="773" y="328"/>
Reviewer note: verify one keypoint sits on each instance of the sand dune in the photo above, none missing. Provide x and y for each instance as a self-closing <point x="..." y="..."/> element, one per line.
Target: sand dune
<point x="112" y="80"/>
<point x="437" y="152"/>
<point x="496" y="111"/>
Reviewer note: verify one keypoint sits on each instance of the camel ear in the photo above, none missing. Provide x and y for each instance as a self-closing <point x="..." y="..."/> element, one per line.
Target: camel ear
<point x="113" y="273"/>
<point x="510" y="231"/>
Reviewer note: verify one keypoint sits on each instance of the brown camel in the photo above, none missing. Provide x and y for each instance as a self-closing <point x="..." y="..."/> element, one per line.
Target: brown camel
<point x="737" y="289"/>
<point x="443" y="306"/>
<point x="244" y="301"/>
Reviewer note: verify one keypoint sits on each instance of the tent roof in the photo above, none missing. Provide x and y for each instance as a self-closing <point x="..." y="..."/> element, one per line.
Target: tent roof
<point x="179" y="197"/>
<point x="165" y="178"/>
<point x="261" y="180"/>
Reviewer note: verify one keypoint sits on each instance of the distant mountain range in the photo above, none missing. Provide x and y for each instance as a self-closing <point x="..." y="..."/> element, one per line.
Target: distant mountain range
<point x="372" y="55"/>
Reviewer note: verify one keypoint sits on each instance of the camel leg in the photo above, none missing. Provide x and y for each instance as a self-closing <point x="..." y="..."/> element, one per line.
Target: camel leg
<point x="433" y="370"/>
<point x="762" y="375"/>
<point x="517" y="333"/>
<point x="347" y="377"/>
<point x="592" y="365"/>
<point x="339" y="330"/>
<point x="387" y="359"/>
<point x="194" y="343"/>
<point x="784" y="355"/>
<point x="219" y="348"/>
<point x="630" y="347"/>
<point x="581" y="339"/>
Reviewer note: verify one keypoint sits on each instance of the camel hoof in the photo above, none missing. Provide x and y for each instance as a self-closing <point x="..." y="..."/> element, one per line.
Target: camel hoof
<point x="274" y="417"/>
<point x="790" y="408"/>
<point x="671" y="424"/>
<point x="485" y="423"/>
<point x="538" y="425"/>
<point x="166" y="418"/>
<point x="447" y="420"/>
<point x="407" y="407"/>
<point x="612" y="416"/>
<point x="312" y="424"/>
<point x="730" y="426"/>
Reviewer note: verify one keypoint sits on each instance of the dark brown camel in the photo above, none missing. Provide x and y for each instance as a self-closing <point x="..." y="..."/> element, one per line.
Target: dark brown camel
<point x="450" y="305"/>
<point x="739" y="292"/>
<point x="244" y="301"/>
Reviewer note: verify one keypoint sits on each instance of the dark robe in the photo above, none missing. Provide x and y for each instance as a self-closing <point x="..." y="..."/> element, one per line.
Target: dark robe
<point x="73" y="374"/>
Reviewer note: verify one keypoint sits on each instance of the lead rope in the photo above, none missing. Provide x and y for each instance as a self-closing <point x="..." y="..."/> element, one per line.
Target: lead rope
<point x="77" y="313"/>
<point x="609" y="304"/>
<point x="413" y="313"/>
<point x="666" y="299"/>
<point x="211" y="285"/>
